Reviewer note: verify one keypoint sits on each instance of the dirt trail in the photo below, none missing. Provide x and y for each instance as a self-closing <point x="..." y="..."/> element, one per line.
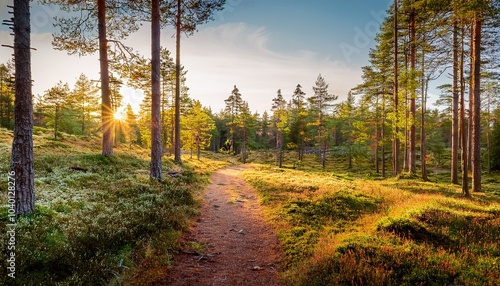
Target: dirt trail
<point x="241" y="249"/>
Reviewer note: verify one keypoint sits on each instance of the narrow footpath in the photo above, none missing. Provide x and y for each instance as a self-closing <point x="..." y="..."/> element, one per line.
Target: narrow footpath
<point x="239" y="247"/>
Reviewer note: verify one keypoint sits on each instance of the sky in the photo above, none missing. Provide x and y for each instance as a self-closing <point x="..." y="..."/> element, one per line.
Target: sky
<point x="258" y="45"/>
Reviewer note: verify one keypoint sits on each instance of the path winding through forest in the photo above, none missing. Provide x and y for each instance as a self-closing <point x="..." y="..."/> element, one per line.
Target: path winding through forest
<point x="240" y="247"/>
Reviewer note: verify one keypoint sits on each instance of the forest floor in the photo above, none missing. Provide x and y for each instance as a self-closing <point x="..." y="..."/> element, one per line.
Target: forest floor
<point x="229" y="243"/>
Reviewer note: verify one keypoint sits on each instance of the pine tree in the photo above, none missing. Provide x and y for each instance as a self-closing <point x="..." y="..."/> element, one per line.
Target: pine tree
<point x="320" y="104"/>
<point x="197" y="127"/>
<point x="7" y="94"/>
<point x="57" y="99"/>
<point x="298" y="120"/>
<point x="134" y="133"/>
<point x="234" y="105"/>
<point x="244" y="123"/>
<point x="86" y="102"/>
<point x="346" y="114"/>
<point x="280" y="121"/>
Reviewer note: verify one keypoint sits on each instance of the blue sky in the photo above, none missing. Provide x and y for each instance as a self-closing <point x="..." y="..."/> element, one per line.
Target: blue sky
<point x="259" y="45"/>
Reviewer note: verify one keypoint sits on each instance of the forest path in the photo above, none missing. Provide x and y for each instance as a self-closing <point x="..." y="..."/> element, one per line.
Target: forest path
<point x="240" y="248"/>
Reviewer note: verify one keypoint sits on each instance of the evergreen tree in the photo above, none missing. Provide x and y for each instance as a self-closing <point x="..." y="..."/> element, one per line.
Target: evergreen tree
<point x="244" y="123"/>
<point x="234" y="105"/>
<point x="320" y="104"/>
<point x="495" y="147"/>
<point x="56" y="99"/>
<point x="346" y="114"/>
<point x="298" y="125"/>
<point x="7" y="94"/>
<point x="280" y="121"/>
<point x="197" y="127"/>
<point x="86" y="103"/>
<point x="264" y="137"/>
<point x="134" y="132"/>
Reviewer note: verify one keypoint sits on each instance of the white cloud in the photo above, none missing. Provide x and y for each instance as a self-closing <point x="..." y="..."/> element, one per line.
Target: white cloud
<point x="217" y="58"/>
<point x="237" y="54"/>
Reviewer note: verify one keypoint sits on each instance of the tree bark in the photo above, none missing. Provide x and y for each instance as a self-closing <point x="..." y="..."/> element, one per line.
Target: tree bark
<point x="396" y="143"/>
<point x="22" y="163"/>
<point x="454" y="117"/>
<point x="476" y="100"/>
<point x="156" y="144"/>
<point x="177" y="149"/>
<point x="382" y="135"/>
<point x="425" y="84"/>
<point x="413" y="110"/>
<point x="377" y="137"/>
<point x="463" y="124"/>
<point x="106" y="111"/>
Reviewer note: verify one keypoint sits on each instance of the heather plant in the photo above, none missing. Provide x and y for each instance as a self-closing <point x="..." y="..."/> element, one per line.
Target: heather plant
<point x="347" y="230"/>
<point x="98" y="220"/>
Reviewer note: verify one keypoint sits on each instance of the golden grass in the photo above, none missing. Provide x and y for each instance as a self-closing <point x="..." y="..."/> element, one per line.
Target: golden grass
<point x="411" y="203"/>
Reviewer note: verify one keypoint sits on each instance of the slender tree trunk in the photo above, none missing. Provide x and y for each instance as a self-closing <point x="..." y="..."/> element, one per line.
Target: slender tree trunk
<point x="463" y="124"/>
<point x="21" y="166"/>
<point x="156" y="144"/>
<point x="164" y="131"/>
<point x="407" y="116"/>
<point x="280" y="149"/>
<point x="471" y="106"/>
<point x="413" y="109"/>
<point x="107" y="113"/>
<point x="244" y="145"/>
<point x="350" y="156"/>
<point x="83" y="118"/>
<point x="454" y="117"/>
<point x="476" y="110"/>
<point x="425" y="83"/>
<point x="177" y="149"/>
<point x="56" y="121"/>
<point x="377" y="138"/>
<point x="396" y="143"/>
<point x="198" y="151"/>
<point x="488" y="135"/>
<point x="172" y="124"/>
<point x="382" y="131"/>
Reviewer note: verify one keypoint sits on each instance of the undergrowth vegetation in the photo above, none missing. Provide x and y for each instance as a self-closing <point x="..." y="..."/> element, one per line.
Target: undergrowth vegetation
<point x="102" y="221"/>
<point x="99" y="220"/>
<point x="350" y="230"/>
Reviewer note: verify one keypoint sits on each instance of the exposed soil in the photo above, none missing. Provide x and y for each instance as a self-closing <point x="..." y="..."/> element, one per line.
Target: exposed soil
<point x="239" y="248"/>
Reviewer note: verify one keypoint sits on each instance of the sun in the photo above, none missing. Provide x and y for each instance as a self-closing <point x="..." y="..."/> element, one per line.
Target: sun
<point x="118" y="116"/>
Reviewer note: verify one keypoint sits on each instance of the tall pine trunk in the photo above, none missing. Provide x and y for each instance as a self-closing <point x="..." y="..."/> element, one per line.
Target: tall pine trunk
<point x="425" y="85"/>
<point x="396" y="143"/>
<point x="177" y="139"/>
<point x="454" y="116"/>
<point x="382" y="135"/>
<point x="476" y="105"/>
<point x="156" y="144"/>
<point x="412" y="156"/>
<point x="377" y="137"/>
<point x="471" y="101"/>
<point x="106" y="111"/>
<point x="22" y="166"/>
<point x="463" y="124"/>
